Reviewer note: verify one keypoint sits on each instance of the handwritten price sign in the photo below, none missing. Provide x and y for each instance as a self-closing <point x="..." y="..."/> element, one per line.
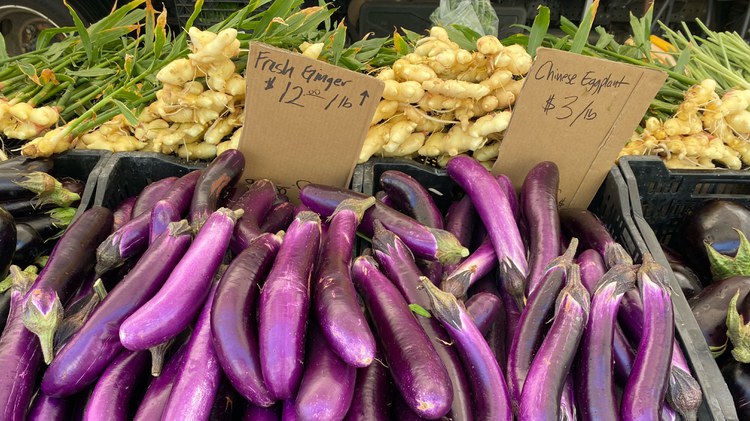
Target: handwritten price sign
<point x="578" y="112"/>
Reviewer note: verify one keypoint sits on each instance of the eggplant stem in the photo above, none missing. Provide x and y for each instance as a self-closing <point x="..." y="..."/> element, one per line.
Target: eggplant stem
<point x="358" y="206"/>
<point x="449" y="249"/>
<point x="738" y="332"/>
<point x="42" y="315"/>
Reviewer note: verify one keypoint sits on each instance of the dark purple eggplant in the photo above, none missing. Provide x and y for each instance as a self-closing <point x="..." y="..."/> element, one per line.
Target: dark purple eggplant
<point x="372" y="388"/>
<point x="49" y="224"/>
<point x="157" y="394"/>
<point x="484" y="308"/>
<point x="72" y="185"/>
<point x="279" y="217"/>
<point x="592" y="269"/>
<point x="737" y="377"/>
<point x="233" y="195"/>
<point x="29" y="245"/>
<point x="233" y="316"/>
<point x="221" y="173"/>
<point x="70" y="262"/>
<point x="256" y="203"/>
<point x="4" y="308"/>
<point x="424" y="242"/>
<point x="26" y="164"/>
<point x="477" y="265"/>
<point x="25" y="207"/>
<point x="460" y="220"/>
<point x="259" y="413"/>
<point x="397" y="263"/>
<point x="688" y="281"/>
<point x="123" y="213"/>
<point x="510" y="192"/>
<point x="77" y="313"/>
<point x="47" y="408"/>
<point x="7" y="241"/>
<point x="415" y="367"/>
<point x="539" y="205"/>
<point x="151" y="194"/>
<point x="710" y="309"/>
<point x="227" y="404"/>
<point x="737" y="331"/>
<point x="91" y="349"/>
<point x="589" y="230"/>
<point x="545" y="382"/>
<point x="15" y="185"/>
<point x="411" y="197"/>
<point x="116" y="387"/>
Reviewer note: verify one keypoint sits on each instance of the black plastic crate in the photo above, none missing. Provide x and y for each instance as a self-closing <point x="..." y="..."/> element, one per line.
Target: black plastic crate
<point x="612" y="204"/>
<point x="211" y="13"/>
<point x="83" y="165"/>
<point x="126" y="174"/>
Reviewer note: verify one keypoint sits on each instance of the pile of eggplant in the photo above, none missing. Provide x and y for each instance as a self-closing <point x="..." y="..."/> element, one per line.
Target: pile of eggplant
<point x="205" y="298"/>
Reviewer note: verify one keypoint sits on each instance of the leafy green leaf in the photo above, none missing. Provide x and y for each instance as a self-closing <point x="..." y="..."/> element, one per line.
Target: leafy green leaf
<point x="605" y="38"/>
<point x="561" y="42"/>
<point x="338" y="43"/>
<point x="460" y="38"/>
<point x="3" y="50"/>
<point x="83" y="33"/>
<point x="132" y="119"/>
<point x="400" y="44"/>
<point x="419" y="310"/>
<point x="682" y="61"/>
<point x="538" y="30"/>
<point x="582" y="34"/>
<point x="93" y="72"/>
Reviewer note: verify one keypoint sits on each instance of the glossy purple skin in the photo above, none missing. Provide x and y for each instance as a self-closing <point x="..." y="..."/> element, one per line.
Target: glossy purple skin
<point x="47" y="408"/>
<point x="371" y="399"/>
<point x="624" y="356"/>
<point x="234" y="196"/>
<point x="180" y="299"/>
<point x="592" y="269"/>
<point x="284" y="304"/>
<point x="221" y="173"/>
<point x="484" y="308"/>
<point x="233" y="325"/>
<point x="162" y="214"/>
<point x="568" y="401"/>
<point x="539" y="205"/>
<point x="710" y="305"/>
<point x="337" y="309"/>
<point x="473" y="268"/>
<point x="512" y="318"/>
<point x="412" y="197"/>
<point x="397" y="263"/>
<point x="151" y="194"/>
<point x="111" y="397"/>
<point x="415" y="367"/>
<point x="493" y="206"/>
<point x="288" y="412"/>
<point x="544" y="384"/>
<point x="20" y="358"/>
<point x="420" y="239"/>
<point x="90" y="350"/>
<point x="157" y="394"/>
<point x="182" y="191"/>
<point x="256" y="203"/>
<point x="460" y="222"/>
<point x="510" y="192"/>
<point x="327" y="386"/>
<point x="279" y="217"/>
<point x="643" y="396"/>
<point x="198" y="377"/>
<point x="585" y="226"/>
<point x="123" y="213"/>
<point x="259" y="413"/>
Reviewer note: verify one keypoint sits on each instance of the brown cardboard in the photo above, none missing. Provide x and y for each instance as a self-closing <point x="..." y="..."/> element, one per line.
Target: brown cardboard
<point x="584" y="126"/>
<point x="305" y="120"/>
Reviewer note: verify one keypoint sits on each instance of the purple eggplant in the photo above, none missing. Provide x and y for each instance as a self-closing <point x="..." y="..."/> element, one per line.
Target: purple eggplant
<point x="489" y="390"/>
<point x="531" y="326"/>
<point x="151" y="194"/>
<point x="36" y="186"/>
<point x="7" y="240"/>
<point x="592" y="269"/>
<point x="539" y="204"/>
<point x="180" y="299"/>
<point x="29" y="244"/>
<point x="512" y="319"/>
<point x="288" y="412"/>
<point x="416" y="368"/>
<point x="371" y="398"/>
<point x="77" y="313"/>
<point x="70" y="261"/>
<point x="221" y="173"/>
<point x="568" y="403"/>
<point x="227" y="403"/>
<point x="484" y="308"/>
<point x="114" y="390"/>
<point x="737" y="331"/>
<point x="279" y="217"/>
<point x="646" y="388"/>
<point x="545" y="382"/>
<point x="510" y="192"/>
<point x="737" y="377"/>
<point x="259" y="413"/>
<point x="412" y="197"/>
<point x="424" y="242"/>
<point x="327" y="386"/>
<point x="197" y="379"/>
<point x="50" y="224"/>
<point x="335" y="302"/>
<point x="132" y="238"/>
<point x="477" y="265"/>
<point x="398" y="265"/>
<point x="232" y="196"/>
<point x="157" y="394"/>
<point x="47" y="408"/>
<point x="493" y="207"/>
<point x="233" y="325"/>
<point x="123" y="213"/>
<point x="256" y="203"/>
<point x="589" y="230"/>
<point x="710" y="309"/>
<point x="284" y="304"/>
<point x="26" y="164"/>
<point x="163" y="213"/>
<point x="595" y="375"/>
<point x="460" y="220"/>
<point x="92" y="348"/>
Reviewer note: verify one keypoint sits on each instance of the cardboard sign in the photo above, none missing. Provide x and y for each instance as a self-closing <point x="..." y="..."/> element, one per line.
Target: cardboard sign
<point x="305" y="120"/>
<point x="577" y="112"/>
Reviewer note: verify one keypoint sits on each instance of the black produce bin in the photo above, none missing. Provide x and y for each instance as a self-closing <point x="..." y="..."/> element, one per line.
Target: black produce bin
<point x="612" y="204"/>
<point x="125" y="174"/>
<point x="83" y="165"/>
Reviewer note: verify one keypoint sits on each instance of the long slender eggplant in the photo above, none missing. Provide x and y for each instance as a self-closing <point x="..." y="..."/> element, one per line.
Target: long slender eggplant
<point x="114" y="390"/>
<point x="26" y="164"/>
<point x="510" y="192"/>
<point x="484" y="308"/>
<point x="371" y="398"/>
<point x="398" y="264"/>
<point x="568" y="411"/>
<point x="123" y="212"/>
<point x="77" y="313"/>
<point x="424" y="242"/>
<point x="539" y="204"/>
<point x="39" y="186"/>
<point x="91" y="349"/>
<point x="7" y="241"/>
<point x="256" y="203"/>
<point x="198" y="378"/>
<point x="477" y="265"/>
<point x="70" y="261"/>
<point x="592" y="269"/>
<point x="493" y="206"/>
<point x="259" y="413"/>
<point x="47" y="408"/>
<point x="221" y="173"/>
<point x="646" y="388"/>
<point x="595" y="375"/>
<point x="180" y="299"/>
<point x="531" y="326"/>
<point x="233" y="316"/>
<point x="460" y="220"/>
<point x="49" y="224"/>
<point x="132" y="238"/>
<point x="544" y="384"/>
<point x="327" y="386"/>
<point x="151" y="194"/>
<point x="338" y="312"/>
<point x="589" y="230"/>
<point x="412" y="196"/>
<point x="490" y="392"/>
<point x="157" y="394"/>
<point x="284" y="304"/>
<point x="416" y="368"/>
<point x="163" y="213"/>
<point x="512" y="319"/>
<point x="279" y="217"/>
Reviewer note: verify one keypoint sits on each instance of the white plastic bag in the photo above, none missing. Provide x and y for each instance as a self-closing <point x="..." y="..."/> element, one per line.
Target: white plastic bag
<point x="478" y="15"/>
